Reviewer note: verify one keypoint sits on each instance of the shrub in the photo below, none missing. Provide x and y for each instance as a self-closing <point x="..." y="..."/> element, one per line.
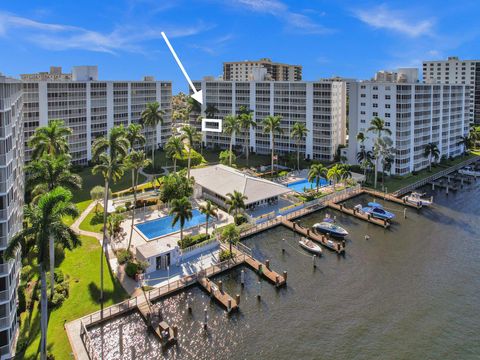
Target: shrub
<point x="240" y="219"/>
<point x="225" y="255"/>
<point x="147" y="202"/>
<point x="283" y="173"/>
<point x="190" y="240"/>
<point x="57" y="300"/>
<point x="142" y="266"/>
<point x="22" y="301"/>
<point x="58" y="276"/>
<point x="131" y="269"/>
<point x="124" y="255"/>
<point x="26" y="274"/>
<point x="120" y="209"/>
<point x="60" y="294"/>
<point x="128" y="204"/>
<point x="195" y="158"/>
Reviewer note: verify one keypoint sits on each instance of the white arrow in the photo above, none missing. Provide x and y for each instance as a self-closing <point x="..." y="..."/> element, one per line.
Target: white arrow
<point x="197" y="95"/>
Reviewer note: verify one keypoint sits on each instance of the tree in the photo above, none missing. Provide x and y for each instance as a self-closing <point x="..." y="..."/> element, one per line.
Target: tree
<point x="246" y="123"/>
<point x="231" y="234"/>
<point x="345" y="172"/>
<point x="231" y="125"/>
<point x="431" y="152"/>
<point x="175" y="186"/>
<point x="191" y="135"/>
<point x="181" y="209"/>
<point x="271" y="125"/>
<point x="209" y="210"/>
<point x="365" y="157"/>
<point x="193" y="106"/>
<point x="227" y="157"/>
<point x="334" y="174"/>
<point x="47" y="172"/>
<point x="299" y="131"/>
<point x="134" y="135"/>
<point x="377" y="126"/>
<point x="44" y="227"/>
<point x="152" y="116"/>
<point x="51" y="139"/>
<point x="235" y="202"/>
<point x="96" y="194"/>
<point x="317" y="171"/>
<point x="174" y="148"/>
<point x="113" y="225"/>
<point x="108" y="153"/>
<point x="135" y="161"/>
<point x="210" y="110"/>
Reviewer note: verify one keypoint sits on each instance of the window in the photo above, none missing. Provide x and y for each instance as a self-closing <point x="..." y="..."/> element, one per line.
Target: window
<point x="375" y="113"/>
<point x="375" y="105"/>
<point x="387" y="106"/>
<point x="375" y="88"/>
<point x="375" y="96"/>
<point x="387" y="115"/>
<point x="386" y="122"/>
<point x="363" y="95"/>
<point x="362" y="121"/>
<point x="362" y="112"/>
<point x="362" y="87"/>
<point x="362" y="104"/>
<point x="387" y="97"/>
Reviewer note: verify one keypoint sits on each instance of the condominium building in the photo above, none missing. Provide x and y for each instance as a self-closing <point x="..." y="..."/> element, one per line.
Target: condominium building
<point x="55" y="73"/>
<point x="90" y="107"/>
<point x="248" y="70"/>
<point x="321" y="106"/>
<point x="415" y="113"/>
<point x="11" y="207"/>
<point x="456" y="71"/>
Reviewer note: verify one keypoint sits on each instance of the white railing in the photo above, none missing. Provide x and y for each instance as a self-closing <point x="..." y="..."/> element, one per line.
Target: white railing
<point x="87" y="342"/>
<point x="199" y="245"/>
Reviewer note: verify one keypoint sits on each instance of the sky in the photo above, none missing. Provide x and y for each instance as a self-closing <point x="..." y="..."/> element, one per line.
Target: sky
<point x="329" y="38"/>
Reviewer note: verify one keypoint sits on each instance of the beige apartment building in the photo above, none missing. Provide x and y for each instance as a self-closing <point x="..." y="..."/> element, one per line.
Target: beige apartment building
<point x="247" y="70"/>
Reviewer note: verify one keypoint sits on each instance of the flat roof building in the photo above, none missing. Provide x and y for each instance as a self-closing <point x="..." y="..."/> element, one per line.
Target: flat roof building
<point x="248" y="70"/>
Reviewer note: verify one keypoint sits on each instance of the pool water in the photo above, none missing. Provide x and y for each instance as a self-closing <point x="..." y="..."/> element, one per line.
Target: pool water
<point x="163" y="226"/>
<point x="300" y="185"/>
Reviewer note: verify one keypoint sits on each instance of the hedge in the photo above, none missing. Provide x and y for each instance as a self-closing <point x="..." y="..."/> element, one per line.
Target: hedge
<point x="190" y="240"/>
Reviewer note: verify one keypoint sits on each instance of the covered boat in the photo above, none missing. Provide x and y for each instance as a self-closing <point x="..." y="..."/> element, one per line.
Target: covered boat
<point x="309" y="245"/>
<point x="417" y="199"/>
<point x="377" y="211"/>
<point x="468" y="170"/>
<point x="327" y="226"/>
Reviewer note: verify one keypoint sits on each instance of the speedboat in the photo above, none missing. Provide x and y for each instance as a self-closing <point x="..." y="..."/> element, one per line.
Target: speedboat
<point x="309" y="245"/>
<point x="468" y="170"/>
<point x="377" y="211"/>
<point x="328" y="227"/>
<point x="416" y="198"/>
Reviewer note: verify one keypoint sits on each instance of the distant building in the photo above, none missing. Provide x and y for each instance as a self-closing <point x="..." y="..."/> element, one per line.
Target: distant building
<point x="402" y="75"/>
<point x="248" y="71"/>
<point x="90" y="107"/>
<point x="11" y="207"/>
<point x="54" y="74"/>
<point x="456" y="71"/>
<point x="415" y="113"/>
<point x="320" y="105"/>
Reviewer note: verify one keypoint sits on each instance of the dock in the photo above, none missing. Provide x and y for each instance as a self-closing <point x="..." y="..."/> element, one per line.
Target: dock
<point x="358" y="214"/>
<point x="217" y="292"/>
<point x="165" y="333"/>
<point x="338" y="247"/>
<point x="388" y="197"/>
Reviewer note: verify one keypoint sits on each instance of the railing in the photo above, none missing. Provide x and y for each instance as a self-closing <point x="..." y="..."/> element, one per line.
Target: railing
<point x="87" y="341"/>
<point x="199" y="245"/>
<point x="244" y="249"/>
<point x="111" y="311"/>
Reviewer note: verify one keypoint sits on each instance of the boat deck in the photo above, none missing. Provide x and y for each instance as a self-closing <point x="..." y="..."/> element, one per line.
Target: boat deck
<point x="218" y="293"/>
<point x="145" y="309"/>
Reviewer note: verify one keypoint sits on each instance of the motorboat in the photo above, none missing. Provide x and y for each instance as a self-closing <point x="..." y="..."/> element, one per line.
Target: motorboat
<point x="328" y="226"/>
<point x="310" y="246"/>
<point x="417" y="199"/>
<point x="470" y="171"/>
<point x="377" y="211"/>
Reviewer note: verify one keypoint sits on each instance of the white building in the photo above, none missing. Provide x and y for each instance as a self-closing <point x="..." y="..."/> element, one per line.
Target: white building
<point x="245" y="70"/>
<point x="90" y="107"/>
<point x="456" y="71"/>
<point x="320" y="105"/>
<point x="11" y="207"/>
<point x="416" y="113"/>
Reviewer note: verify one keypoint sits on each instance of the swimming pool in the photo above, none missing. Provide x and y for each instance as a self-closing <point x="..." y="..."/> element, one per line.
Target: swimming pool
<point x="300" y="185"/>
<point x="162" y="226"/>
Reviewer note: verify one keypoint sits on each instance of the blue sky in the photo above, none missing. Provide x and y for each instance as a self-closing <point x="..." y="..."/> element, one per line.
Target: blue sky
<point x="345" y="38"/>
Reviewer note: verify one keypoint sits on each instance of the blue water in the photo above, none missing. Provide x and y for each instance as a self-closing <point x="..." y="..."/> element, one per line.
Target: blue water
<point x="163" y="226"/>
<point x="299" y="185"/>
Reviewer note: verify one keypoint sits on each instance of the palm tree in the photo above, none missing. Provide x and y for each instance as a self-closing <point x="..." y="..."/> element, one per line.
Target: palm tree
<point x="193" y="106"/>
<point x="235" y="202"/>
<point x="299" y="131"/>
<point x="181" y="209"/>
<point x="345" y="172"/>
<point x="364" y="157"/>
<point x="431" y="152"/>
<point x="210" y="110"/>
<point x="246" y="122"/>
<point x="317" y="171"/>
<point x="377" y="126"/>
<point x="47" y="172"/>
<point x="231" y="125"/>
<point x="174" y="148"/>
<point x="192" y="136"/>
<point x="135" y="161"/>
<point x="51" y="139"/>
<point x="44" y="228"/>
<point x="209" y="210"/>
<point x="152" y="116"/>
<point x="271" y="125"/>
<point x="467" y="142"/>
<point x="231" y="234"/>
<point x="361" y="138"/>
<point x="335" y="174"/>
<point x="108" y="153"/>
<point x="134" y="135"/>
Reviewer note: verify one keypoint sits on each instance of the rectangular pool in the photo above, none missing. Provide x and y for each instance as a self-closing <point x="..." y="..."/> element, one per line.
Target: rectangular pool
<point x="162" y="226"/>
<point x="300" y="185"/>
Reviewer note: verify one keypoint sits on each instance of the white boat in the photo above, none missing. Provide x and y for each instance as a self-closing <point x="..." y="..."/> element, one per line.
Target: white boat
<point x="468" y="170"/>
<point x="309" y="245"/>
<point x="417" y="199"/>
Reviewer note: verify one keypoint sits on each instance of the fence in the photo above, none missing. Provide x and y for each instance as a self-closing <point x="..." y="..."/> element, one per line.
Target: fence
<point x="87" y="342"/>
<point x="199" y="245"/>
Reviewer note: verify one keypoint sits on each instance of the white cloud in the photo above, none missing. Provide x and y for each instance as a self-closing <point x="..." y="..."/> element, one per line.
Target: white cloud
<point x="381" y="17"/>
<point x="63" y="37"/>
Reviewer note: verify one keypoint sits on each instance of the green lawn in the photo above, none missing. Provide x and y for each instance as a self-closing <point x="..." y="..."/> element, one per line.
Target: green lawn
<point x="81" y="206"/>
<point x="83" y="266"/>
<point x="93" y="221"/>
<point x="89" y="181"/>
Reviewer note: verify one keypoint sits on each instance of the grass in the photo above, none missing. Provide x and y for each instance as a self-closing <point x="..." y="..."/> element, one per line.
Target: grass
<point x="93" y="221"/>
<point x="82" y="265"/>
<point x="81" y="206"/>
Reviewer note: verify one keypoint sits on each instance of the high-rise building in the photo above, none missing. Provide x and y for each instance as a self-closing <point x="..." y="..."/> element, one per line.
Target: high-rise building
<point x="248" y="71"/>
<point x="456" y="71"/>
<point x="321" y="106"/>
<point x="90" y="107"/>
<point x="415" y="113"/>
<point x="11" y="207"/>
<point x="55" y="74"/>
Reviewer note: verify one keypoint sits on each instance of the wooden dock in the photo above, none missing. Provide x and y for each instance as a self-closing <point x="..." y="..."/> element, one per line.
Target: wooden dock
<point x="444" y="185"/>
<point x="338" y="247"/>
<point x="391" y="198"/>
<point x="217" y="292"/>
<point x="164" y="332"/>
<point x="359" y="215"/>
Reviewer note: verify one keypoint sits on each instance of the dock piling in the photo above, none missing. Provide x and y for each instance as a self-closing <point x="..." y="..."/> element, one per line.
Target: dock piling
<point x="220" y="286"/>
<point x="313" y="261"/>
<point x="405" y="213"/>
<point x="285" y="276"/>
<point x="175" y="332"/>
<point x="242" y="277"/>
<point x="205" y="319"/>
<point x="237" y="299"/>
<point x="267" y="264"/>
<point x="259" y="290"/>
<point x="283" y="246"/>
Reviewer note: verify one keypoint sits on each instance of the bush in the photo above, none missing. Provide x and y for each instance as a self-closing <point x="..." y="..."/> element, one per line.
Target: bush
<point x="128" y="204"/>
<point x="60" y="294"/>
<point x="124" y="255"/>
<point x="131" y="269"/>
<point x="22" y="301"/>
<point x="283" y="173"/>
<point x="146" y="202"/>
<point x="225" y="255"/>
<point x="195" y="158"/>
<point x="120" y="209"/>
<point x="26" y="274"/>
<point x="58" y="276"/>
<point x="240" y="219"/>
<point x="190" y="240"/>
